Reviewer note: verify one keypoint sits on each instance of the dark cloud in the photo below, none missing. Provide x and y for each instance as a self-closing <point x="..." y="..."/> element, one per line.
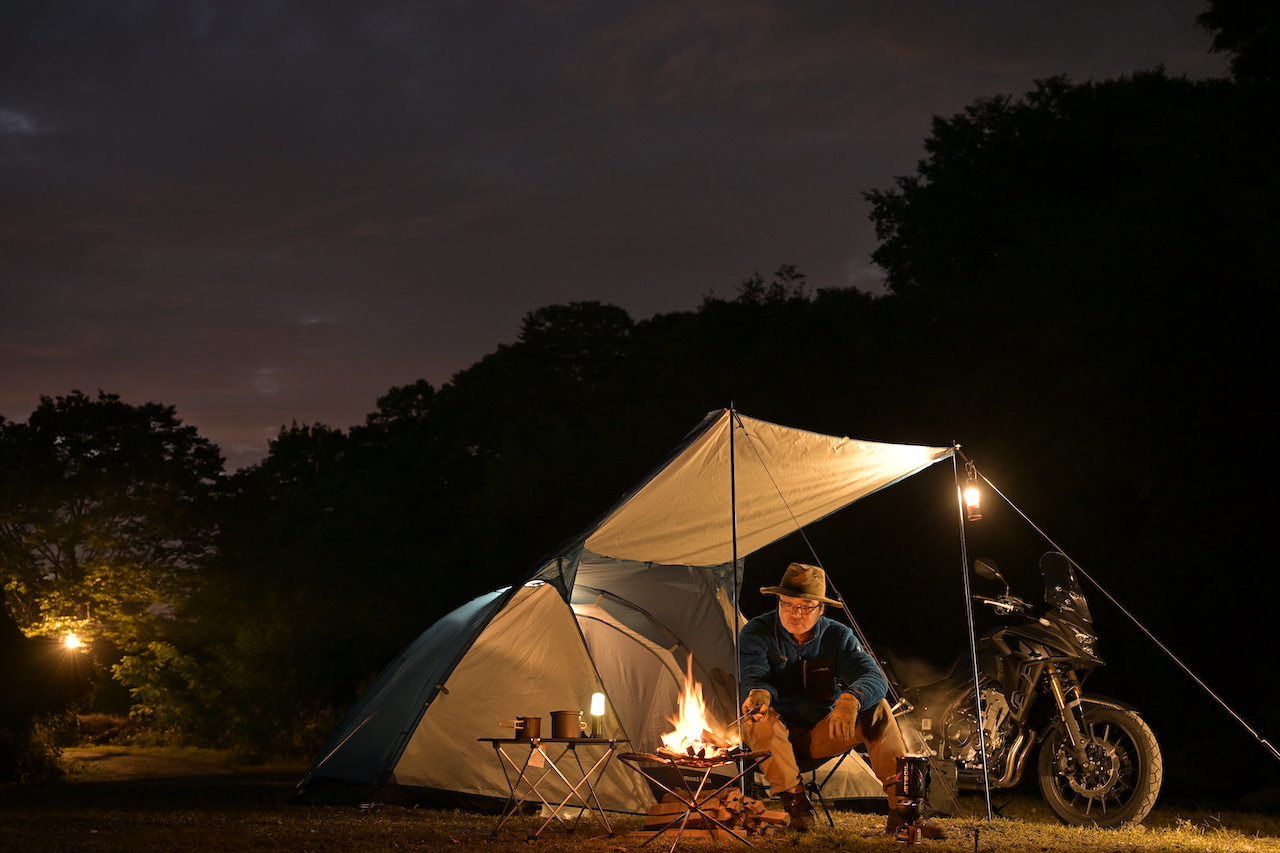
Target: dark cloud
<point x="266" y="212"/>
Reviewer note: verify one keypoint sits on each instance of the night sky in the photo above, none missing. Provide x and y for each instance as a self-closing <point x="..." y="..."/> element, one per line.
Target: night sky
<point x="268" y="212"/>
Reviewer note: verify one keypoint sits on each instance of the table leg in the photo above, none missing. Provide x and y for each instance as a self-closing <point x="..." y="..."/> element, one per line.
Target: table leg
<point x="522" y="776"/>
<point x="519" y="775"/>
<point x="584" y="779"/>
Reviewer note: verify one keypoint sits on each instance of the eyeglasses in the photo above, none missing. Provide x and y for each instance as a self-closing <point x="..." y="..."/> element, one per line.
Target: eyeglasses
<point x="798" y="609"/>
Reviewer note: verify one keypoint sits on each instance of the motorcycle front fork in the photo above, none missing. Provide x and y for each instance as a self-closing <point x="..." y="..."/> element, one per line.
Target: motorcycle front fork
<point x="1066" y="693"/>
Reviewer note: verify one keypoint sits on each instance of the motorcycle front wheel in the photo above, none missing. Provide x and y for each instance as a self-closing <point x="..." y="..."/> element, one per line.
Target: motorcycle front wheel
<point x="1118" y="780"/>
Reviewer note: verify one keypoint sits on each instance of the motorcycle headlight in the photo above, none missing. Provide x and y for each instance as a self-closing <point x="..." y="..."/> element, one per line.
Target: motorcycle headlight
<point x="1086" y="642"/>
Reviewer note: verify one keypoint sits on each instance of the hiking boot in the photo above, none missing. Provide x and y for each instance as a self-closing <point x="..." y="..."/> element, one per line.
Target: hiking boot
<point x="903" y="829"/>
<point x="799" y="809"/>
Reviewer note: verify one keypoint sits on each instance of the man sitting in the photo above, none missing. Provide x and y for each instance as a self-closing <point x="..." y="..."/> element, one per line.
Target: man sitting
<point x="811" y="691"/>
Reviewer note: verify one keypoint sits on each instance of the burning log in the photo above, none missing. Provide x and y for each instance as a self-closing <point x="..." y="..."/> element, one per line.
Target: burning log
<point x="710" y="738"/>
<point x="692" y="755"/>
<point x="719" y="815"/>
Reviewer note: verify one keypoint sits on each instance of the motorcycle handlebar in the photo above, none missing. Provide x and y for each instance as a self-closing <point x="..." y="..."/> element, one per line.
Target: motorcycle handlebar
<point x="1004" y="605"/>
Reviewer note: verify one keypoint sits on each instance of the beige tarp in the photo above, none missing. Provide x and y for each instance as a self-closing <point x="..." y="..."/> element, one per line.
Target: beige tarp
<point x="784" y="479"/>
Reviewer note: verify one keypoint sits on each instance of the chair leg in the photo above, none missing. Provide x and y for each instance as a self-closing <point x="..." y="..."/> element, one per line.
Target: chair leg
<point x="815" y="789"/>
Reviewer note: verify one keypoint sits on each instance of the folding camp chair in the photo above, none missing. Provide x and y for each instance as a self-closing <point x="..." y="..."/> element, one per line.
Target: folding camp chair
<point x="814" y="785"/>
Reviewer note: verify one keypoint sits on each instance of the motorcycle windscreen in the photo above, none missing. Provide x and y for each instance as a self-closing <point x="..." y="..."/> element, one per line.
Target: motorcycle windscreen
<point x="1062" y="590"/>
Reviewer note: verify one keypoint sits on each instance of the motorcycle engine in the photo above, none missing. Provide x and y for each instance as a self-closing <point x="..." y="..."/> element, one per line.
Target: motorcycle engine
<point x="961" y="732"/>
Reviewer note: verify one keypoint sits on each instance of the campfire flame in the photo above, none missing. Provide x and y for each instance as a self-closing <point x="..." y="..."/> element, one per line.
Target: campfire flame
<point x="696" y="734"/>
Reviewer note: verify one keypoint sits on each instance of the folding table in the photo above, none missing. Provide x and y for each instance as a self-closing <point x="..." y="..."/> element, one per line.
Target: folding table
<point x="528" y="780"/>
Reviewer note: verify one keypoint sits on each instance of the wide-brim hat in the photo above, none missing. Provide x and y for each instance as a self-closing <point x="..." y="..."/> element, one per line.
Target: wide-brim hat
<point x="802" y="581"/>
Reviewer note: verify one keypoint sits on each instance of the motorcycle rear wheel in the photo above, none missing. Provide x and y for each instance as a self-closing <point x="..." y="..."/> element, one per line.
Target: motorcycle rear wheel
<point x="1118" y="783"/>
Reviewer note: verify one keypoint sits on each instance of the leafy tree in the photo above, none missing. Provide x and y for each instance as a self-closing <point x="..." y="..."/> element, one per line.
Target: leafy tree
<point x="789" y="284"/>
<point x="1248" y="30"/>
<point x="578" y="342"/>
<point x="254" y="654"/>
<point x="104" y="515"/>
<point x="1077" y="240"/>
<point x="329" y="561"/>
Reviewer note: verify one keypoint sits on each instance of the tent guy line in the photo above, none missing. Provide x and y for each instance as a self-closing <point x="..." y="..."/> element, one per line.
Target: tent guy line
<point x="1266" y="744"/>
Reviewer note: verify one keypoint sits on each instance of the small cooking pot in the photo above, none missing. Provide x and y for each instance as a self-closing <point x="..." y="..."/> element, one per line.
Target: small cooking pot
<point x="526" y="727"/>
<point x="567" y="724"/>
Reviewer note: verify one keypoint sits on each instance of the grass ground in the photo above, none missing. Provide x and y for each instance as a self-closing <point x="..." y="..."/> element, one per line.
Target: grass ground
<point x="213" y="807"/>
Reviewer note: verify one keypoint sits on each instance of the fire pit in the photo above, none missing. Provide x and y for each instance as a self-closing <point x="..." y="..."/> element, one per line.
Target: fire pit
<point x="695" y="808"/>
<point x="698" y="801"/>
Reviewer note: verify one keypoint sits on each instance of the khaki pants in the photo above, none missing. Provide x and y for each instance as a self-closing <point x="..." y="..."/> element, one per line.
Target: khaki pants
<point x="874" y="727"/>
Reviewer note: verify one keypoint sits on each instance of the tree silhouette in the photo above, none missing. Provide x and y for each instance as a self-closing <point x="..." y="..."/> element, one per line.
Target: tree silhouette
<point x="104" y="515"/>
<point x="1248" y="30"/>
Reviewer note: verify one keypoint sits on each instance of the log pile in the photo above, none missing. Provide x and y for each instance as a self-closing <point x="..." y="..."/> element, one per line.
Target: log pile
<point x="735" y="812"/>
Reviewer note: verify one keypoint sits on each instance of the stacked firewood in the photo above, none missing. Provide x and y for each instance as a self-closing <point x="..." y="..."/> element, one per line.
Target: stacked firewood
<point x="734" y="811"/>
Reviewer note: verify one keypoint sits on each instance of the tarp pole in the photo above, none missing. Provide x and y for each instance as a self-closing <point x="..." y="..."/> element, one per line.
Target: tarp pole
<point x="973" y="634"/>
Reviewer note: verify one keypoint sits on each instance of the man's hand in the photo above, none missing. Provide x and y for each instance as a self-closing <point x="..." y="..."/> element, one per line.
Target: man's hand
<point x="842" y="716"/>
<point x="757" y="702"/>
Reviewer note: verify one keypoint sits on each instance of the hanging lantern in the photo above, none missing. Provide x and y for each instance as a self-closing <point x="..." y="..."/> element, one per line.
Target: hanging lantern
<point x="972" y="503"/>
<point x="972" y="494"/>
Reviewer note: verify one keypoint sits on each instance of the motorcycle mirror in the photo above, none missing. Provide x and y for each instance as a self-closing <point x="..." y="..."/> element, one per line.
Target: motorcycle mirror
<point x="987" y="570"/>
<point x="984" y="568"/>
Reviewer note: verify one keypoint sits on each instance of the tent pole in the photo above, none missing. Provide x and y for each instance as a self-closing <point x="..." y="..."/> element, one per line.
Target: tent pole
<point x="733" y="529"/>
<point x="973" y="636"/>
<point x="733" y="567"/>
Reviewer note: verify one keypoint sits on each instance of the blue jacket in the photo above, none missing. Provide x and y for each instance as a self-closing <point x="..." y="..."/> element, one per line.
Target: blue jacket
<point x="768" y="657"/>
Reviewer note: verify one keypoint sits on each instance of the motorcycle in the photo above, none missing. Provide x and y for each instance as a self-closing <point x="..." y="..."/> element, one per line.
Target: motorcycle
<point x="1097" y="760"/>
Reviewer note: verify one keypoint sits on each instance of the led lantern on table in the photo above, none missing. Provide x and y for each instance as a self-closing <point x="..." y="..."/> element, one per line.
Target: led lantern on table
<point x="597" y="711"/>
